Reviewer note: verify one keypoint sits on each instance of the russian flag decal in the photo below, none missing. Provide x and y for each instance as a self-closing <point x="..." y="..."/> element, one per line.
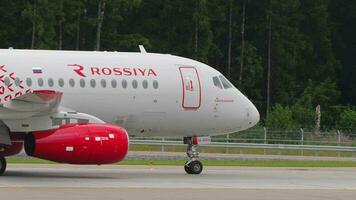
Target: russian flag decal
<point x="37" y="70"/>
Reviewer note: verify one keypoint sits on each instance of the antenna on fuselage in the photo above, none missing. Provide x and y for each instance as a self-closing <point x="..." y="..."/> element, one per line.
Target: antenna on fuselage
<point x="142" y="49"/>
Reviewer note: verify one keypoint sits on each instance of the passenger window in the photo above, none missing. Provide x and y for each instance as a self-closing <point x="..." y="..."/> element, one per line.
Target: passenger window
<point x="217" y="82"/>
<point x="82" y="83"/>
<point x="134" y="84"/>
<point x="61" y="82"/>
<point x="155" y="84"/>
<point x="145" y="84"/>
<point x="225" y="82"/>
<point x="17" y="81"/>
<point x="7" y="81"/>
<point x="71" y="82"/>
<point x="28" y="82"/>
<point x="40" y="82"/>
<point x="92" y="83"/>
<point x="124" y="83"/>
<point x="103" y="83"/>
<point x="113" y="83"/>
<point x="50" y="82"/>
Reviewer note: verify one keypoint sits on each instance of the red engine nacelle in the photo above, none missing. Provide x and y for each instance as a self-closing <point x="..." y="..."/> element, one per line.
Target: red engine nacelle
<point x="79" y="144"/>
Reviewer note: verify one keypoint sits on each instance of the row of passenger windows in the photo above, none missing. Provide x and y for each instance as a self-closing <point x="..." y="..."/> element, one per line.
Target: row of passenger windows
<point x="93" y="83"/>
<point x="224" y="82"/>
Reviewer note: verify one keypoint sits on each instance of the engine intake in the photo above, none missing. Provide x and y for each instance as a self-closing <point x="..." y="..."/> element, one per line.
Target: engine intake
<point x="79" y="144"/>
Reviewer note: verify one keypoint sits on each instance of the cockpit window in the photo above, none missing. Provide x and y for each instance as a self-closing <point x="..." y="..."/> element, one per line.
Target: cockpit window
<point x="225" y="82"/>
<point x="217" y="82"/>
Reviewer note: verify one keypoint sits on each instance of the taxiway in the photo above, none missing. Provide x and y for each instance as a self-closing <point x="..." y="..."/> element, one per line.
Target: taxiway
<point x="55" y="181"/>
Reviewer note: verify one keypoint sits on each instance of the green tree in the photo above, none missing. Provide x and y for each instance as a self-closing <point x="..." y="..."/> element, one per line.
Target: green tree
<point x="11" y="24"/>
<point x="347" y="119"/>
<point x="41" y="14"/>
<point x="343" y="30"/>
<point x="281" y="118"/>
<point x="318" y="61"/>
<point x="287" y="44"/>
<point x="116" y="31"/>
<point x="251" y="84"/>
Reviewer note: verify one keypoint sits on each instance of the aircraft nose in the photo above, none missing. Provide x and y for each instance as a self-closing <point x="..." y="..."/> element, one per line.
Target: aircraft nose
<point x="254" y="115"/>
<point x="246" y="112"/>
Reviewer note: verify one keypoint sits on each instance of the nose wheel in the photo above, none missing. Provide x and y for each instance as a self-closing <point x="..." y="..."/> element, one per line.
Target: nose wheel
<point x="2" y="165"/>
<point x="193" y="165"/>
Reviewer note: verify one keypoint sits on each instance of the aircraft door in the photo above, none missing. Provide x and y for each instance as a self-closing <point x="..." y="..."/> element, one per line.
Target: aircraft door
<point x="191" y="88"/>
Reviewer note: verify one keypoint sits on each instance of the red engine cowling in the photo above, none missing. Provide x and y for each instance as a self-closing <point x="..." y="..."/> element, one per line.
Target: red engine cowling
<point x="79" y="144"/>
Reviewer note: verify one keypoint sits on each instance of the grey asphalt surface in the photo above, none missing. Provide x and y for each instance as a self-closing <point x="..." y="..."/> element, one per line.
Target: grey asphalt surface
<point x="56" y="181"/>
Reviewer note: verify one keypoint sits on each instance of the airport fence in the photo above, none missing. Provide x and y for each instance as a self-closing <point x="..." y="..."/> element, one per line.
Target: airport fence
<point x="261" y="140"/>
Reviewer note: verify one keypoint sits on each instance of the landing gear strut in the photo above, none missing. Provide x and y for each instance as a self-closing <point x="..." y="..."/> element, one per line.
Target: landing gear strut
<point x="193" y="165"/>
<point x="2" y="165"/>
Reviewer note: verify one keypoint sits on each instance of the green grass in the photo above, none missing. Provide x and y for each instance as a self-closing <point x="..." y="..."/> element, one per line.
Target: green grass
<point x="211" y="163"/>
<point x="26" y="160"/>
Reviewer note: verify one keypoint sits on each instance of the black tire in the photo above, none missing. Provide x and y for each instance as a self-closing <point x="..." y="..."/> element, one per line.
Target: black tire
<point x="194" y="167"/>
<point x="2" y="165"/>
<point x="187" y="168"/>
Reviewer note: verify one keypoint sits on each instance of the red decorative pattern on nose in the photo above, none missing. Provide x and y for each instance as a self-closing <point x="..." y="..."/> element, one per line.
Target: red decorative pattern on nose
<point x="10" y="85"/>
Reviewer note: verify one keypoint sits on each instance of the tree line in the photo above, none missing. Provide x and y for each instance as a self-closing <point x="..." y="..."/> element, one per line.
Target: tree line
<point x="293" y="58"/>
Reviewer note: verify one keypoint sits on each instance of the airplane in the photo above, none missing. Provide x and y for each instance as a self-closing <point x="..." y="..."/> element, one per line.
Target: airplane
<point x="81" y="107"/>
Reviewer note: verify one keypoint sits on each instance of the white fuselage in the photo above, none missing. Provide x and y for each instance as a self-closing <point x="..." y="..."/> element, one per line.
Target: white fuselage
<point x="147" y="94"/>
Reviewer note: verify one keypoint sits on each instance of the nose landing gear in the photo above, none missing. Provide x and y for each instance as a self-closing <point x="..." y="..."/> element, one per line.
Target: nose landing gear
<point x="2" y="165"/>
<point x="193" y="165"/>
